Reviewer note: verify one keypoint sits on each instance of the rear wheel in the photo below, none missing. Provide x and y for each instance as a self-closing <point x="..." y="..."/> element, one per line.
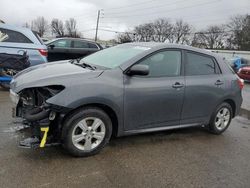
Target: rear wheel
<point x="86" y="132"/>
<point x="221" y="119"/>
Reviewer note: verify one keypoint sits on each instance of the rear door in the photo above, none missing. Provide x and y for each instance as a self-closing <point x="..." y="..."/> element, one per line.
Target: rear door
<point x="59" y="50"/>
<point x="80" y="49"/>
<point x="155" y="100"/>
<point x="204" y="87"/>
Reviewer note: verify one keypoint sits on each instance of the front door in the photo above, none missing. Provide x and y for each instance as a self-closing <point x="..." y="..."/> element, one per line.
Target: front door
<point x="60" y="50"/>
<point x="155" y="100"/>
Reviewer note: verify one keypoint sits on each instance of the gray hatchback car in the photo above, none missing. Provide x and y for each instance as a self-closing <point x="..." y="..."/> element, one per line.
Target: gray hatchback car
<point x="127" y="89"/>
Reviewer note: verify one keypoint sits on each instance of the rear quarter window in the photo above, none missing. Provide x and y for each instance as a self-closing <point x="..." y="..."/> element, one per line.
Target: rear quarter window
<point x="7" y="35"/>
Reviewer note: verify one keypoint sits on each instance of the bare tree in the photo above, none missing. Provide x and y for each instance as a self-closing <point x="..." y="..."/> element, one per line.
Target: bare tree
<point x="239" y="32"/>
<point x="181" y="33"/>
<point x="163" y="29"/>
<point x="213" y="37"/>
<point x="57" y="27"/>
<point x="145" y="32"/>
<point x="70" y="26"/>
<point x="40" y="25"/>
<point x="126" y="37"/>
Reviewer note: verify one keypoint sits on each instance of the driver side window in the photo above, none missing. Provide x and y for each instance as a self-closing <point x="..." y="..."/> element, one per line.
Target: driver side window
<point x="164" y="63"/>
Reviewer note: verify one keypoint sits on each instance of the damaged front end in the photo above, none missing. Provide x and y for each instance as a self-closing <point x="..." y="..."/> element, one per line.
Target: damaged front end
<point x="42" y="119"/>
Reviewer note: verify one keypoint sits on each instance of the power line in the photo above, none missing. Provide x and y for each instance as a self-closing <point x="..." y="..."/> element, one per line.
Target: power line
<point x="206" y="3"/>
<point x="131" y="5"/>
<point x="145" y="8"/>
<point x="140" y="21"/>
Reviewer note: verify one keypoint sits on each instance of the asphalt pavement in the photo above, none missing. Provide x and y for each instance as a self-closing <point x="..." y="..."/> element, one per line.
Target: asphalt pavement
<point x="181" y="158"/>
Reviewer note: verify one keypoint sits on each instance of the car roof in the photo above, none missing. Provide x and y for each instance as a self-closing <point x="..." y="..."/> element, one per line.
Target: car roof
<point x="25" y="31"/>
<point x="159" y="45"/>
<point x="71" y="38"/>
<point x="154" y="46"/>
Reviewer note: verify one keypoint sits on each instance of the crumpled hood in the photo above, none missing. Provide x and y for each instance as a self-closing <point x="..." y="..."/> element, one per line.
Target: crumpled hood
<point x="56" y="73"/>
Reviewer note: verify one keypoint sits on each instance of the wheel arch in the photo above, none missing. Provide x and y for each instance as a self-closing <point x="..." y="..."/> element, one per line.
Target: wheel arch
<point x="232" y="103"/>
<point x="113" y="115"/>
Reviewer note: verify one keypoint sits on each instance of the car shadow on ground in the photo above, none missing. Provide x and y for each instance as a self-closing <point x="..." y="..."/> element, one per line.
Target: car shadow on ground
<point x="170" y="137"/>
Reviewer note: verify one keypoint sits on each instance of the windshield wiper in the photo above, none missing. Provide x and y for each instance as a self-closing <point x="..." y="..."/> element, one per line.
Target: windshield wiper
<point x="88" y="65"/>
<point x="82" y="64"/>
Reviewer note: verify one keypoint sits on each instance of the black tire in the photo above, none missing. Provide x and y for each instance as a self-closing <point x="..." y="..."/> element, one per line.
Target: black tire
<point x="212" y="126"/>
<point x="71" y="122"/>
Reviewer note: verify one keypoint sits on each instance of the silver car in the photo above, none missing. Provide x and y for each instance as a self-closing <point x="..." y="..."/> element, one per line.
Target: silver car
<point x="17" y="40"/>
<point x="128" y="89"/>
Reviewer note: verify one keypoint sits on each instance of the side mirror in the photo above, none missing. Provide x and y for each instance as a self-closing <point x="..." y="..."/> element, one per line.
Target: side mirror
<point x="138" y="70"/>
<point x="52" y="46"/>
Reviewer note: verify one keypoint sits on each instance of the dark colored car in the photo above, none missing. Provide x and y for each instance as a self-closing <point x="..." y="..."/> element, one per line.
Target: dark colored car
<point x="128" y="89"/>
<point x="70" y="48"/>
<point x="244" y="73"/>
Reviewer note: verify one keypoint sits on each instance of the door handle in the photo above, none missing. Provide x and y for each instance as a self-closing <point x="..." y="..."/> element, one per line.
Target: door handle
<point x="177" y="85"/>
<point x="218" y="82"/>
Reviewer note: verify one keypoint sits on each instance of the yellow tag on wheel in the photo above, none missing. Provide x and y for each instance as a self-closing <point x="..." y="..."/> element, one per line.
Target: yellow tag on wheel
<point x="43" y="141"/>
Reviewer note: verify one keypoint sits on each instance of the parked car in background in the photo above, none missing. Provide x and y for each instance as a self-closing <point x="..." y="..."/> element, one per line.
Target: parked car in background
<point x="70" y="48"/>
<point x="244" y="73"/>
<point x="238" y="62"/>
<point x="127" y="89"/>
<point x="17" y="41"/>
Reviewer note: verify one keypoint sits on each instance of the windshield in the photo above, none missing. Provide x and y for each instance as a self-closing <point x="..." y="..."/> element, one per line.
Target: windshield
<point x="114" y="56"/>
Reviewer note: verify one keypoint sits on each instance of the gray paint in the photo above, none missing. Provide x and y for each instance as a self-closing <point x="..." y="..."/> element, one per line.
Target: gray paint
<point x="141" y="104"/>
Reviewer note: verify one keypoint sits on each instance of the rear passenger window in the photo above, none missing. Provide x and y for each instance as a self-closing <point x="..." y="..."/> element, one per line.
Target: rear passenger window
<point x="80" y="44"/>
<point x="7" y="35"/>
<point x="199" y="65"/>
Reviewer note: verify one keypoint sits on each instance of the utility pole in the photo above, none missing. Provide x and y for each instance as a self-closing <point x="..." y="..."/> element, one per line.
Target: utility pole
<point x="97" y="24"/>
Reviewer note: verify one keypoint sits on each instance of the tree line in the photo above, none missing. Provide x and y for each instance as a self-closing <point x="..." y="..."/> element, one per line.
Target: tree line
<point x="56" y="27"/>
<point x="233" y="35"/>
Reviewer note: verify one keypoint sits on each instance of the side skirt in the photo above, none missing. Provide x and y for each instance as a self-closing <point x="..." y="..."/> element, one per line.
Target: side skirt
<point x="155" y="129"/>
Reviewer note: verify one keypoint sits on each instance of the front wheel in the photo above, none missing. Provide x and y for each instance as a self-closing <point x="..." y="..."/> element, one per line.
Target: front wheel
<point x="86" y="132"/>
<point x="221" y="119"/>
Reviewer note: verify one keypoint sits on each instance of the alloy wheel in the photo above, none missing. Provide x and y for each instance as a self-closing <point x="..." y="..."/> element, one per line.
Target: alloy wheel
<point x="88" y="133"/>
<point x="222" y="118"/>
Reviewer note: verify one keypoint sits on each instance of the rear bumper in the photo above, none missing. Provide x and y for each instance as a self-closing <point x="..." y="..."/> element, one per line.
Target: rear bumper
<point x="238" y="103"/>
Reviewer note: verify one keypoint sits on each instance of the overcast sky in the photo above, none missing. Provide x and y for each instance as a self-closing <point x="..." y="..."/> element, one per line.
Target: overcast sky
<point x="122" y="15"/>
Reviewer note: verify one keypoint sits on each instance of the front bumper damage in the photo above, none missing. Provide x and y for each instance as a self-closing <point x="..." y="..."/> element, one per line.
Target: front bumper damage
<point x="42" y="120"/>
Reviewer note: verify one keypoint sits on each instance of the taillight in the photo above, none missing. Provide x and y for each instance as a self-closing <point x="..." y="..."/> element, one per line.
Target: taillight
<point x="43" y="52"/>
<point x="241" y="83"/>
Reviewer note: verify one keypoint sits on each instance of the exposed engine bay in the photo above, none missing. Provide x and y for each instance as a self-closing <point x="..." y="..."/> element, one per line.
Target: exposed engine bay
<point x="41" y="118"/>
